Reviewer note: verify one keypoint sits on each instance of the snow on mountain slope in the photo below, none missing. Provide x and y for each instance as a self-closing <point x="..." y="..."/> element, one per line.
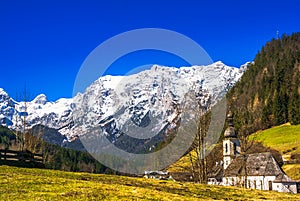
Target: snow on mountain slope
<point x="151" y="98"/>
<point x="112" y="101"/>
<point x="7" y="110"/>
<point x="52" y="114"/>
<point x="38" y="111"/>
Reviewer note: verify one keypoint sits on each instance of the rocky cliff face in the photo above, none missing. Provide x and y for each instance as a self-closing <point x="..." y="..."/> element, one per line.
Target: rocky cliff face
<point x="119" y="104"/>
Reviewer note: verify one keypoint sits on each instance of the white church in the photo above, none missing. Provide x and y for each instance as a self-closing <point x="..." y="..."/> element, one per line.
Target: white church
<point x="256" y="171"/>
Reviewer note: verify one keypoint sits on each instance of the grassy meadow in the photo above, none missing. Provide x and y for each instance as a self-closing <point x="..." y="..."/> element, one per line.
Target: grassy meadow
<point x="284" y="138"/>
<point x="293" y="170"/>
<point x="40" y="184"/>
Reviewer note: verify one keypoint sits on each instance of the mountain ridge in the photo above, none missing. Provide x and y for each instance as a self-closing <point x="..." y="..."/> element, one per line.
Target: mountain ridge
<point x="58" y="114"/>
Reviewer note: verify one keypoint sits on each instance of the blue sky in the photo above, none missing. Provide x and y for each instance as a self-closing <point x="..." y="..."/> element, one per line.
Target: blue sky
<point x="43" y="43"/>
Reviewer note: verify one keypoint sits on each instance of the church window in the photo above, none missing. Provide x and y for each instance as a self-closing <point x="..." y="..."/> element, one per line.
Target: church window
<point x="226" y="148"/>
<point x="234" y="147"/>
<point x="270" y="185"/>
<point x="261" y="185"/>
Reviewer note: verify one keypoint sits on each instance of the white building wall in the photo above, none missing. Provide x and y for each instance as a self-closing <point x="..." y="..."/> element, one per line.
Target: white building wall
<point x="226" y="161"/>
<point x="254" y="182"/>
<point x="231" y="148"/>
<point x="213" y="181"/>
<point x="285" y="187"/>
<point x="260" y="183"/>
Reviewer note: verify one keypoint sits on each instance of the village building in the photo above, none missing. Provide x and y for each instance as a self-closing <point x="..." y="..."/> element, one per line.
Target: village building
<point x="158" y="175"/>
<point x="256" y="171"/>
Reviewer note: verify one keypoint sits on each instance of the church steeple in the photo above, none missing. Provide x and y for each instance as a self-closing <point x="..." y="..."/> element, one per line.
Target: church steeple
<point x="231" y="144"/>
<point x="230" y="132"/>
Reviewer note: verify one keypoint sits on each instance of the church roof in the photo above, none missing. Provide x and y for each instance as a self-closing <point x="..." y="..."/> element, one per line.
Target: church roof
<point x="216" y="171"/>
<point x="230" y="132"/>
<point x="283" y="178"/>
<point x="258" y="164"/>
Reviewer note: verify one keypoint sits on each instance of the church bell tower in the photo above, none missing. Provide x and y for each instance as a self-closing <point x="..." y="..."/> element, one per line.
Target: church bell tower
<point x="231" y="144"/>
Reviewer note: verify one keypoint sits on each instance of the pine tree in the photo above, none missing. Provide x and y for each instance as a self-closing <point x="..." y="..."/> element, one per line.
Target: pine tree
<point x="294" y="108"/>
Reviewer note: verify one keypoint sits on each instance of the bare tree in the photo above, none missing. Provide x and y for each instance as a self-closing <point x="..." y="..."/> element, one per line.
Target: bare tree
<point x="17" y="132"/>
<point x="21" y="122"/>
<point x="33" y="139"/>
<point x="198" y="129"/>
<point x="198" y="154"/>
<point x="24" y="122"/>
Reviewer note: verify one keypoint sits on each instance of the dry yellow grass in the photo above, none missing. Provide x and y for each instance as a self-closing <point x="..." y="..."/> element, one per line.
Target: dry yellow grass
<point x="38" y="184"/>
<point x="293" y="170"/>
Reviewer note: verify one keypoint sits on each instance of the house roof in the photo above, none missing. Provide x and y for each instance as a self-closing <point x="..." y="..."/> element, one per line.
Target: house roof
<point x="216" y="171"/>
<point x="156" y="173"/>
<point x="258" y="164"/>
<point x="283" y="178"/>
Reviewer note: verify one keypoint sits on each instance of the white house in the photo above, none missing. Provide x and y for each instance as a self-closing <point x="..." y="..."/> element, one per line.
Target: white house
<point x="256" y="171"/>
<point x="157" y="175"/>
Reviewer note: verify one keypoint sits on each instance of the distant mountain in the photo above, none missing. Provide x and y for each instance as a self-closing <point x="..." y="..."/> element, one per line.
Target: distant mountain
<point x="149" y="94"/>
<point x="49" y="135"/>
<point x="268" y="93"/>
<point x="38" y="111"/>
<point x="52" y="136"/>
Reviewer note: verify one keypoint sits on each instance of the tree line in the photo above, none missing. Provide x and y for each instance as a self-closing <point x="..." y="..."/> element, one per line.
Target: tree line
<point x="268" y="93"/>
<point x="54" y="156"/>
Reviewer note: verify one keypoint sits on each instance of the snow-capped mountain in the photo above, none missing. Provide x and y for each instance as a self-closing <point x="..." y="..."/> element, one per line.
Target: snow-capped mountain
<point x="111" y="102"/>
<point x="7" y="108"/>
<point x="38" y="111"/>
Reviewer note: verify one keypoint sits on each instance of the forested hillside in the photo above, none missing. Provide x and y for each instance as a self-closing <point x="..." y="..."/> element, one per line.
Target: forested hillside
<point x="54" y="156"/>
<point x="268" y="93"/>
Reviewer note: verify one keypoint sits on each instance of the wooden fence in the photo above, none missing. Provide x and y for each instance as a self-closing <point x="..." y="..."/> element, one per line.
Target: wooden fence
<point x="22" y="156"/>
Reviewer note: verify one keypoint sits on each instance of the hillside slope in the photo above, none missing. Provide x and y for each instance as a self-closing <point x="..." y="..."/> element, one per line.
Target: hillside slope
<point x="37" y="184"/>
<point x="284" y="138"/>
<point x="268" y="93"/>
<point x="292" y="170"/>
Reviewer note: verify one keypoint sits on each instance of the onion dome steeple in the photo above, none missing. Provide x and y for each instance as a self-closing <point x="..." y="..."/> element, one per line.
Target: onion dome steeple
<point x="230" y="132"/>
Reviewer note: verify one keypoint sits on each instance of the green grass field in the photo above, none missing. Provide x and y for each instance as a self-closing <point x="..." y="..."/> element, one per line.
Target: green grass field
<point x="40" y="184"/>
<point x="293" y="170"/>
<point x="284" y="138"/>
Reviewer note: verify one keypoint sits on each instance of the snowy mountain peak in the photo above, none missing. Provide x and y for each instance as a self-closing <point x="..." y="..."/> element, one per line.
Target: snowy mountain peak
<point x="151" y="94"/>
<point x="218" y="63"/>
<point x="2" y="91"/>
<point x="40" y="99"/>
<point x="3" y="95"/>
<point x="113" y="100"/>
<point x="245" y="66"/>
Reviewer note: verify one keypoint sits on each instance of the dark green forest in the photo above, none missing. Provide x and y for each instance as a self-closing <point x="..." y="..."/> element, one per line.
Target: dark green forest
<point x="54" y="156"/>
<point x="268" y="93"/>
